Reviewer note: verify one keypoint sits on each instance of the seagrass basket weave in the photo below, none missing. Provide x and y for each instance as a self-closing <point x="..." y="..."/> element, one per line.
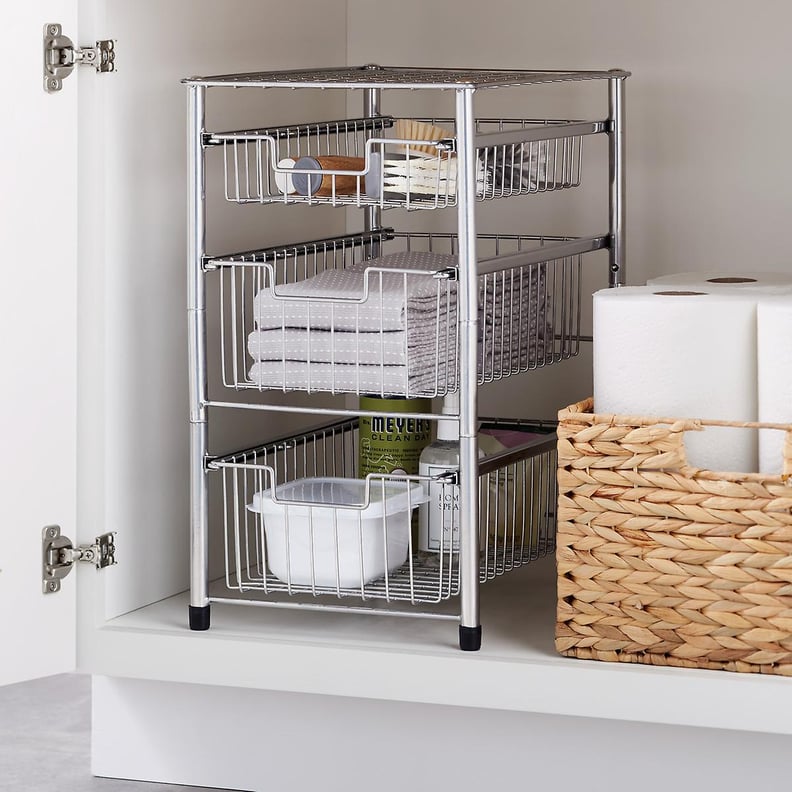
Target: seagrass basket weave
<point x="663" y="563"/>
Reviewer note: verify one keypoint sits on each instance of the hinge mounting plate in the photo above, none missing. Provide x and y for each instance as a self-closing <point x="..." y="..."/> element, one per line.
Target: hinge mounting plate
<point x="61" y="56"/>
<point x="58" y="556"/>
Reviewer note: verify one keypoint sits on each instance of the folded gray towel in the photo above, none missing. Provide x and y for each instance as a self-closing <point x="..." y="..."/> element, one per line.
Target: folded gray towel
<point x="403" y="338"/>
<point x="390" y="298"/>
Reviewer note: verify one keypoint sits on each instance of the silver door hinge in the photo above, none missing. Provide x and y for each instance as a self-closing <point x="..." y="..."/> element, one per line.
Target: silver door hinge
<point x="61" y="56"/>
<point x="59" y="556"/>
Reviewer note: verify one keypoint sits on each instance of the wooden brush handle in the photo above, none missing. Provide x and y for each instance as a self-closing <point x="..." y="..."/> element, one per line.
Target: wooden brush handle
<point x="309" y="184"/>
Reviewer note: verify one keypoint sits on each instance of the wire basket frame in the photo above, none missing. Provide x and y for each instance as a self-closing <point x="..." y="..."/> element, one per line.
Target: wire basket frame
<point x="377" y="76"/>
<point x="364" y="162"/>
<point x="278" y="331"/>
<point x="343" y="553"/>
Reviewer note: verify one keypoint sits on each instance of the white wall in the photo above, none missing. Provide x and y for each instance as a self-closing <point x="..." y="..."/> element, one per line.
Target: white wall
<point x="708" y="105"/>
<point x="708" y="110"/>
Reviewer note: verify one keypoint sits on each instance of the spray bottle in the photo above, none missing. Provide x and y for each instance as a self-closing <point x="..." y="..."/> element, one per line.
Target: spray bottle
<point x="438" y="518"/>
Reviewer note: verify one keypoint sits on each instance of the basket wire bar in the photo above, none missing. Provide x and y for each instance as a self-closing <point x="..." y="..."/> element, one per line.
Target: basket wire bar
<point x="516" y="497"/>
<point x="329" y="131"/>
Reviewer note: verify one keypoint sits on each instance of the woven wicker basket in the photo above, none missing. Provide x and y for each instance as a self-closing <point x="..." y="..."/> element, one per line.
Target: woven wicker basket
<point x="663" y="563"/>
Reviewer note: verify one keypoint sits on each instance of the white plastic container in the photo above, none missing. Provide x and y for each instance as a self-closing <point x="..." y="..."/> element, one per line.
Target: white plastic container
<point x="323" y="540"/>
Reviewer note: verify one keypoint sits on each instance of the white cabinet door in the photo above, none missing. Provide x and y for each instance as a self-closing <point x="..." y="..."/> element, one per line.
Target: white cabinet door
<point x="38" y="332"/>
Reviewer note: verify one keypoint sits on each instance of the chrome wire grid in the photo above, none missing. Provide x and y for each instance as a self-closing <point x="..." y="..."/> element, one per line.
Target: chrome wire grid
<point x="359" y="162"/>
<point x="278" y="331"/>
<point x="375" y="76"/>
<point x="517" y="499"/>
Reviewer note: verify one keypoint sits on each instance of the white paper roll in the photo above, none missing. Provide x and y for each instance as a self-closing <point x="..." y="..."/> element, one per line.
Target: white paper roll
<point x="774" y="374"/>
<point x="685" y="355"/>
<point x="724" y="281"/>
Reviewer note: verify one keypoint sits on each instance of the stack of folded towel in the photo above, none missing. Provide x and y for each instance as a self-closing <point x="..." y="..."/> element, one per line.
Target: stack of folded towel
<point x="392" y="332"/>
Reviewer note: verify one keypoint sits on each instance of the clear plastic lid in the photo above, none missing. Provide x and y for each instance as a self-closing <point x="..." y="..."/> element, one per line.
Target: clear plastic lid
<point x="307" y="183"/>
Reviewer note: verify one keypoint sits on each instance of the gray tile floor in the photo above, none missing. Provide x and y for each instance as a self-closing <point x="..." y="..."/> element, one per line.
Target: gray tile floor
<point x="45" y="740"/>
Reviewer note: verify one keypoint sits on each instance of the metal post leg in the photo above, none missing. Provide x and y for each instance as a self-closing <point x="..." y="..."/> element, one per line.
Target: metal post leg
<point x="469" y="627"/>
<point x="373" y="214"/>
<point x="617" y="270"/>
<point x="196" y="313"/>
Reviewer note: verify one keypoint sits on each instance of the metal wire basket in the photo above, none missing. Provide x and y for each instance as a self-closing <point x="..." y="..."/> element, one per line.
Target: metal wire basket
<point x="395" y="332"/>
<point x="371" y="161"/>
<point x="275" y="542"/>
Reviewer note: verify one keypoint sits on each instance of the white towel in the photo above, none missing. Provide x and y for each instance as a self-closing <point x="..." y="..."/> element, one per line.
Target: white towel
<point x="392" y="296"/>
<point x="383" y="346"/>
<point x="345" y="378"/>
<point x="328" y="346"/>
<point x="398" y="300"/>
<point x="395" y="348"/>
<point x="392" y="348"/>
<point x="421" y="363"/>
<point x="430" y="369"/>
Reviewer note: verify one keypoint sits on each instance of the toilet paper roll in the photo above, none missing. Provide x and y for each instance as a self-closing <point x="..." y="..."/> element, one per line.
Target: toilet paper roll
<point x="680" y="353"/>
<point x="774" y="376"/>
<point x="725" y="281"/>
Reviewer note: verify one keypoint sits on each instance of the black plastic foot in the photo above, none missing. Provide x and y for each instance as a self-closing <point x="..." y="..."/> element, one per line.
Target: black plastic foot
<point x="199" y="618"/>
<point x="470" y="638"/>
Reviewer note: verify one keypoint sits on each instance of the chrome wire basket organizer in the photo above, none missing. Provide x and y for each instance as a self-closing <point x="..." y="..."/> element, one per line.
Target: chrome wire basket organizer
<point x="298" y="521"/>
<point x="427" y="306"/>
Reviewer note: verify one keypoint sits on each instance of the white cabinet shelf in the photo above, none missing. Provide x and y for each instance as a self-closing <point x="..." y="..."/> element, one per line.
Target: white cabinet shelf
<point x="413" y="660"/>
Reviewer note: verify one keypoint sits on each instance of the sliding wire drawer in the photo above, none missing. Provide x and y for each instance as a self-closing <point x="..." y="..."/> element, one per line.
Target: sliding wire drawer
<point x="376" y="313"/>
<point x="397" y="162"/>
<point x="365" y="549"/>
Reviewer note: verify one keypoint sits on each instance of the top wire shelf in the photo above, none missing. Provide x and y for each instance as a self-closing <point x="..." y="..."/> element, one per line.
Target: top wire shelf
<point x="375" y="76"/>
